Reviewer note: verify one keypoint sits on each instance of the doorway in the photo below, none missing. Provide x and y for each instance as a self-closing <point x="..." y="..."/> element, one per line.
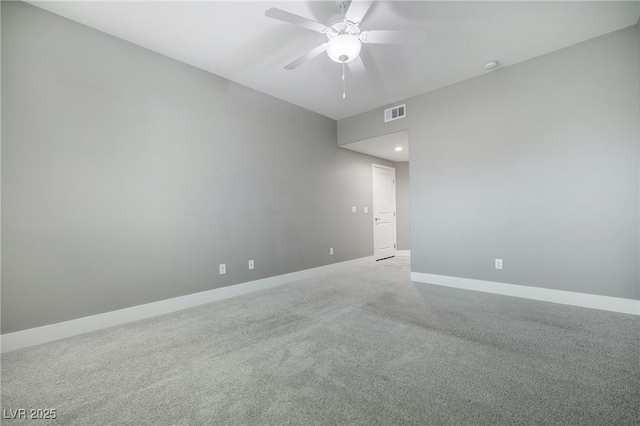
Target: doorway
<point x="384" y="211"/>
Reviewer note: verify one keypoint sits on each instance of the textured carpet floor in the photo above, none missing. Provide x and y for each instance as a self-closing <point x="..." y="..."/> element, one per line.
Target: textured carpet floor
<point x="366" y="347"/>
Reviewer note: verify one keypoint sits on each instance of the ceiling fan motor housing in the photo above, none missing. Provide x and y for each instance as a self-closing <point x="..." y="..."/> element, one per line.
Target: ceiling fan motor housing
<point x="338" y="24"/>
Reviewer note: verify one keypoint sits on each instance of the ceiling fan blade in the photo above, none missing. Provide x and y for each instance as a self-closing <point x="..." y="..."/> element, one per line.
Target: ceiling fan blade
<point x="357" y="10"/>
<point x="304" y="58"/>
<point x="357" y="66"/>
<point x="290" y="18"/>
<point x="393" y="37"/>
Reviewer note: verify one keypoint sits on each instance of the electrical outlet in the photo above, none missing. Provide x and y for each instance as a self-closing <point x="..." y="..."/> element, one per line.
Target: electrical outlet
<point x="366" y="209"/>
<point x="223" y="268"/>
<point x="331" y="251"/>
<point x="354" y="209"/>
<point x="251" y="264"/>
<point x="498" y="263"/>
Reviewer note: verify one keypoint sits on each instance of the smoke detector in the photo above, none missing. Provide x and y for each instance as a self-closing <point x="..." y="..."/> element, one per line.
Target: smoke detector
<point x="491" y="65"/>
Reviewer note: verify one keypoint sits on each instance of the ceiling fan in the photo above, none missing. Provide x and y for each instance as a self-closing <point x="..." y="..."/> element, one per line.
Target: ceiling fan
<point x="344" y="35"/>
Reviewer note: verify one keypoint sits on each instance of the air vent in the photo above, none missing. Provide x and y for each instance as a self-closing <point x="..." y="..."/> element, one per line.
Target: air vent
<point x="395" y="112"/>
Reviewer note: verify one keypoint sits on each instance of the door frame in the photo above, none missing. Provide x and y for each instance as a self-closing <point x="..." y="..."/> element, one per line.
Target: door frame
<point x="373" y="213"/>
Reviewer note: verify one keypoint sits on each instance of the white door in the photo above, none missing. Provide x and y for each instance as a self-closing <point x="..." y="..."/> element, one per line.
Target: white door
<point x="384" y="211"/>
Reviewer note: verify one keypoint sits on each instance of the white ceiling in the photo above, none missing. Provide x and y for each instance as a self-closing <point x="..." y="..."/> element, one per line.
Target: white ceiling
<point x="384" y="146"/>
<point x="235" y="40"/>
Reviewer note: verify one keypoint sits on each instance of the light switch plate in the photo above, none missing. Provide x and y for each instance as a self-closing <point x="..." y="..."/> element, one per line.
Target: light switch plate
<point x="251" y="264"/>
<point x="331" y="251"/>
<point x="223" y="268"/>
<point x="366" y="209"/>
<point x="354" y="209"/>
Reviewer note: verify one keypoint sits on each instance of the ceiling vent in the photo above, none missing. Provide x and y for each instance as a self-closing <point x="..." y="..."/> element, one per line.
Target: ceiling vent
<point x="395" y="112"/>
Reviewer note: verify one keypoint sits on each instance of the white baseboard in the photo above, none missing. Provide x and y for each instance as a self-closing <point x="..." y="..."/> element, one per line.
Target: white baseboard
<point x="48" y="333"/>
<point x="605" y="303"/>
<point x="403" y="253"/>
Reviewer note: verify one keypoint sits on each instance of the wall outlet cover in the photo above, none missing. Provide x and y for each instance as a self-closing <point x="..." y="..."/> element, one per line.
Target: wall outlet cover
<point x="498" y="263"/>
<point x="223" y="268"/>
<point x="366" y="209"/>
<point x="331" y="251"/>
<point x="354" y="209"/>
<point x="251" y="264"/>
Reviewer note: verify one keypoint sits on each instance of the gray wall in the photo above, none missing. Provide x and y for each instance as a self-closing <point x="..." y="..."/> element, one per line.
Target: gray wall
<point x="403" y="216"/>
<point x="127" y="177"/>
<point x="536" y="163"/>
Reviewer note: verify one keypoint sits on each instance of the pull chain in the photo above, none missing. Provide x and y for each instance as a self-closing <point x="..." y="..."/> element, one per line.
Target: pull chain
<point x="344" y="86"/>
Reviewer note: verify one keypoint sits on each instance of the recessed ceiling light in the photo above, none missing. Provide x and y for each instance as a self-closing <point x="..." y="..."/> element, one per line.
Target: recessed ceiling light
<point x="398" y="148"/>
<point x="491" y="65"/>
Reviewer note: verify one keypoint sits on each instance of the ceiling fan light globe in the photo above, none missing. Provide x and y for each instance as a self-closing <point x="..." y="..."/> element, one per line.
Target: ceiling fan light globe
<point x="344" y="48"/>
